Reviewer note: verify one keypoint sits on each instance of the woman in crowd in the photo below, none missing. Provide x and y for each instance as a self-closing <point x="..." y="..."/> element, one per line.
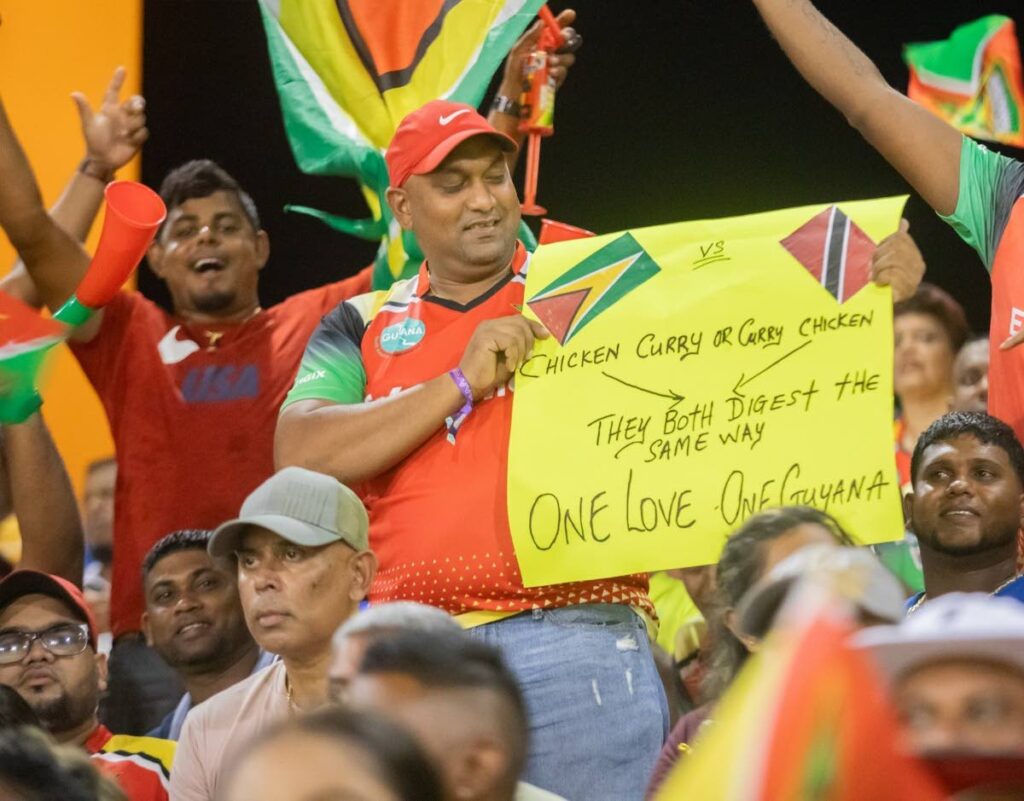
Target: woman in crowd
<point x="750" y="552"/>
<point x="930" y="328"/>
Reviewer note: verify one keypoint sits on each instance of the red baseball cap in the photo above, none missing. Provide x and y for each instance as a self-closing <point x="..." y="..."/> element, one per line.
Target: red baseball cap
<point x="33" y="582"/>
<point x="427" y="135"/>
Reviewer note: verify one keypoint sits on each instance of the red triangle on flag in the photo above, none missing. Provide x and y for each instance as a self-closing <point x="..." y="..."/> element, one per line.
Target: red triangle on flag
<point x="557" y="312"/>
<point x="807" y="243"/>
<point x="552" y="231"/>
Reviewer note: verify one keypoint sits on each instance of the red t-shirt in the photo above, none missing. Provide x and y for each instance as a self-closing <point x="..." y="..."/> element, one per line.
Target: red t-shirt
<point x="141" y="766"/>
<point x="439" y="519"/>
<point x="192" y="410"/>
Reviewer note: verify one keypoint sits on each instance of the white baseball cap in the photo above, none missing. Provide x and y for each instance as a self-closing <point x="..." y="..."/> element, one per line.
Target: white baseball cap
<point x="954" y="626"/>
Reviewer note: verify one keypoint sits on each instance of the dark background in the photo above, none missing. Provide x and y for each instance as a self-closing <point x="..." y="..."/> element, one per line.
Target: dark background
<point x="676" y="110"/>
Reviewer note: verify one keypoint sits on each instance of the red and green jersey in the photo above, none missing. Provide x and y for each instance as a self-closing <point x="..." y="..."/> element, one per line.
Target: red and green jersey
<point x="439" y="519"/>
<point x="989" y="216"/>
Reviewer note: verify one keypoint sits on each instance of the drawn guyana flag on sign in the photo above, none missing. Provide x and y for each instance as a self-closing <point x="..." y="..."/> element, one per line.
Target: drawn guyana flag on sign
<point x="972" y="79"/>
<point x="574" y="299"/>
<point x="348" y="71"/>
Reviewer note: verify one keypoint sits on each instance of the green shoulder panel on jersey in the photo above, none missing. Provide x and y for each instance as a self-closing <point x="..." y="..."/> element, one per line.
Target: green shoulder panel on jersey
<point x="332" y="366"/>
<point x="990" y="185"/>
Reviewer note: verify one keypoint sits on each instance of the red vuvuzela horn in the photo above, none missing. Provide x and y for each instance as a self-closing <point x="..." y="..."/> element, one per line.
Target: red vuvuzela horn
<point x="134" y="212"/>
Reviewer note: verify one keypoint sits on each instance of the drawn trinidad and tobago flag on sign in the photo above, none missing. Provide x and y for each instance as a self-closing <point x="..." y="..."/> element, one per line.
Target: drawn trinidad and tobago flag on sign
<point x="835" y="251"/>
<point x="591" y="287"/>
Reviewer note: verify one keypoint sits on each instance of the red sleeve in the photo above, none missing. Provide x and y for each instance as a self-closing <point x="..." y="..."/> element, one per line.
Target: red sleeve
<point x="326" y="298"/>
<point x="99" y="357"/>
<point x="358" y="284"/>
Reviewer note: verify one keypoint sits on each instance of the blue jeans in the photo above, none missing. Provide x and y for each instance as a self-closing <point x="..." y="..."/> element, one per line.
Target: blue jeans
<point x="597" y="709"/>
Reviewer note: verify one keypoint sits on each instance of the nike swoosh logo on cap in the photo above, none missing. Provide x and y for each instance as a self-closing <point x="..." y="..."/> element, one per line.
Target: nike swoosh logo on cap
<point x="444" y="120"/>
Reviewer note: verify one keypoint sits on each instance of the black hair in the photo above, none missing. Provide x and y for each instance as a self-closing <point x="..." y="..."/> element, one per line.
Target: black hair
<point x="456" y="662"/>
<point x="201" y="178"/>
<point x="396" y="758"/>
<point x="14" y="710"/>
<point x="986" y="429"/>
<point x="739" y="567"/>
<point x="40" y="771"/>
<point x="187" y="539"/>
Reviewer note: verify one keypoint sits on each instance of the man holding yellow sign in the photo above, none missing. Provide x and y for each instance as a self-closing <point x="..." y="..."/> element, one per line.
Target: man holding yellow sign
<point x="407" y="396"/>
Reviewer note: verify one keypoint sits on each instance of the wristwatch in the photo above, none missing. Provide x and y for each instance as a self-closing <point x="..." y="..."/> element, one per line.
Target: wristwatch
<point x="504" y="104"/>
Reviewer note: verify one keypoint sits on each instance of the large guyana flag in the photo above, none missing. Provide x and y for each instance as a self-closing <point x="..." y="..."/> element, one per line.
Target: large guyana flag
<point x="972" y="79"/>
<point x="806" y="720"/>
<point x="348" y="71"/>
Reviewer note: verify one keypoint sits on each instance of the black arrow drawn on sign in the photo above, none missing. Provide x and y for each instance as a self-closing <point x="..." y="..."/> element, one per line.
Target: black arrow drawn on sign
<point x="675" y="397"/>
<point x="743" y="380"/>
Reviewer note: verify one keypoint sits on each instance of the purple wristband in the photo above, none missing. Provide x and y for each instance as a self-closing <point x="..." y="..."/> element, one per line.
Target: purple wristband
<point x="454" y="422"/>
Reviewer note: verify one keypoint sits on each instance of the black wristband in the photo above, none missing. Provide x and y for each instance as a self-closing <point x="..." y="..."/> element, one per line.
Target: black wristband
<point x="92" y="168"/>
<point x="504" y="104"/>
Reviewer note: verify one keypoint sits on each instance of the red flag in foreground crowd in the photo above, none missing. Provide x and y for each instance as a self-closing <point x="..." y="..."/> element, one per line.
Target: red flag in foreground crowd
<point x="25" y="339"/>
<point x="972" y="79"/>
<point x="806" y="720"/>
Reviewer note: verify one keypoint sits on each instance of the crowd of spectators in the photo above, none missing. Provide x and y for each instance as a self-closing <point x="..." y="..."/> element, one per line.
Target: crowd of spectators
<point x="297" y="582"/>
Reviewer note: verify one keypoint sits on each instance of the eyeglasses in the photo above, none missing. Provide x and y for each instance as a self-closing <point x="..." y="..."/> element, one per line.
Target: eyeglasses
<point x="67" y="639"/>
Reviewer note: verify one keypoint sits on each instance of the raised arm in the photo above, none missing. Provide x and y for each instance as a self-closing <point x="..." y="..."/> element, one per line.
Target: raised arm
<point x="357" y="441"/>
<point x="43" y="501"/>
<point x="113" y="135"/>
<point x="54" y="260"/>
<point x="924" y="149"/>
<point x="511" y="87"/>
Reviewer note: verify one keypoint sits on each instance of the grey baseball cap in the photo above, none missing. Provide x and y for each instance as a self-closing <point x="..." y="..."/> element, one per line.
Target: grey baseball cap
<point x="304" y="507"/>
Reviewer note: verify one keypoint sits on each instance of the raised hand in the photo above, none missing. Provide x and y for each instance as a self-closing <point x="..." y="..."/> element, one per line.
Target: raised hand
<point x="115" y="131"/>
<point x="898" y="263"/>
<point x="558" y="63"/>
<point x="496" y="350"/>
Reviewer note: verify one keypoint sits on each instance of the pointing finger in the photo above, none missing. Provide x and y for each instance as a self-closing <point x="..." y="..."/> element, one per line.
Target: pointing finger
<point x="114" y="87"/>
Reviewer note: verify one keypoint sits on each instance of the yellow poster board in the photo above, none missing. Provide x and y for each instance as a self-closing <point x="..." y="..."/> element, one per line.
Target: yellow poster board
<point x="697" y="374"/>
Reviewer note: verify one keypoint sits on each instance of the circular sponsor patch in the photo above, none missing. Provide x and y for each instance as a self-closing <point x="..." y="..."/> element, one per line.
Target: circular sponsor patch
<point x="402" y="336"/>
